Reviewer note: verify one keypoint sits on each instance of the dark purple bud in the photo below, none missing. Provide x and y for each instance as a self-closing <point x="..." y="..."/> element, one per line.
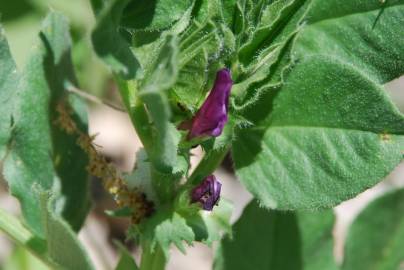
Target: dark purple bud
<point x="207" y="193"/>
<point x="212" y="116"/>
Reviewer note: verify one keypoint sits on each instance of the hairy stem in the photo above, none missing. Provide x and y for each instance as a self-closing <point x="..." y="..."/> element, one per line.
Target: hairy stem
<point x="209" y="163"/>
<point x="152" y="259"/>
<point x="137" y="112"/>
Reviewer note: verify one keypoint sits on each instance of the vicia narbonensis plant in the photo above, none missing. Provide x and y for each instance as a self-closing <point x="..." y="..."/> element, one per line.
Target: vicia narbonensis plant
<point x="291" y="90"/>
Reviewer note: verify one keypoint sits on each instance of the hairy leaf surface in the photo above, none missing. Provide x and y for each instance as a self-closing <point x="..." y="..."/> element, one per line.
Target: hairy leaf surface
<point x="330" y="131"/>
<point x="39" y="152"/>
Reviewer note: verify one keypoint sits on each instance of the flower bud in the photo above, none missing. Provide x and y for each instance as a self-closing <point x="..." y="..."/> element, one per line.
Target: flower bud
<point x="207" y="193"/>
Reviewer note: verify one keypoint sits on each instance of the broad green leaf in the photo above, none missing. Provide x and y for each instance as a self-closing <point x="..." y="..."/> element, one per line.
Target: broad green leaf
<point x="108" y="43"/>
<point x="126" y="261"/>
<point x="63" y="247"/>
<point x="8" y="86"/>
<point x="261" y="240"/>
<point x="316" y="231"/>
<point x="38" y="151"/>
<point x="374" y="239"/>
<point x="324" y="140"/>
<point x="266" y="239"/>
<point x="330" y="131"/>
<point x="363" y="34"/>
<point x="153" y="14"/>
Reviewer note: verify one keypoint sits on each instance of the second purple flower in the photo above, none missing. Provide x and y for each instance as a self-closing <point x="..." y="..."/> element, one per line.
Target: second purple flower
<point x="207" y="193"/>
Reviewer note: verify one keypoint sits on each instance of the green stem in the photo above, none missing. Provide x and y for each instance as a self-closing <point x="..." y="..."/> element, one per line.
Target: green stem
<point x="141" y="123"/>
<point x="23" y="237"/>
<point x="152" y="260"/>
<point x="163" y="185"/>
<point x="209" y="163"/>
<point x="137" y="112"/>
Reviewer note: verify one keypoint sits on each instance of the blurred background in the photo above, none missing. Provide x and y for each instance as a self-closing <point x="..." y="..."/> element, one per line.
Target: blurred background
<point x="21" y="20"/>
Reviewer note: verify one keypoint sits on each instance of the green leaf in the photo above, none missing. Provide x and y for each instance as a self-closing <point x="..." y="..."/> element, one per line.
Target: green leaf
<point x="108" y="43"/>
<point x="38" y="152"/>
<point x="63" y="246"/>
<point x="126" y="261"/>
<point x="330" y="131"/>
<point x="8" y="85"/>
<point x="261" y="240"/>
<point x="264" y="239"/>
<point x="375" y="238"/>
<point x="153" y="14"/>
<point x="362" y="34"/>
<point x="316" y="231"/>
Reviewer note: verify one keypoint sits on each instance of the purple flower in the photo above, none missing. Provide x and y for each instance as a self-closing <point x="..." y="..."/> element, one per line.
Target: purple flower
<point x="207" y="193"/>
<point x="212" y="116"/>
